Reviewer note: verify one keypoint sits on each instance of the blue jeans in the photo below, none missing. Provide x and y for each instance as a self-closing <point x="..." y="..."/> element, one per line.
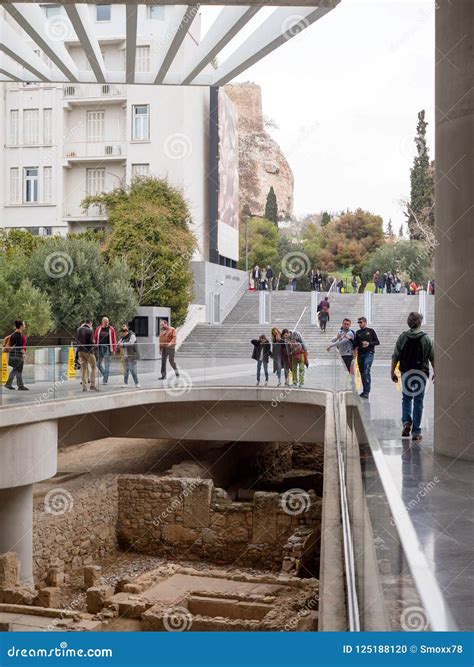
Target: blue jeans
<point x="104" y="356"/>
<point x="130" y="368"/>
<point x="412" y="402"/>
<point x="265" y="369"/>
<point x="364" y="362"/>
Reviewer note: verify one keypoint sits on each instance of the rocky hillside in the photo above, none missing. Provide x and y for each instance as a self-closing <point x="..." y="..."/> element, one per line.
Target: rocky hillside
<point x="261" y="160"/>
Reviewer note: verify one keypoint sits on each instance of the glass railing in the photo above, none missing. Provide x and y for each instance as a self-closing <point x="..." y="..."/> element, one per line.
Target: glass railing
<point x="47" y="373"/>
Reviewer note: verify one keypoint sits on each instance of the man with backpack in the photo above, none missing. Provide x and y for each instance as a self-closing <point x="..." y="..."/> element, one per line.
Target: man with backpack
<point x="414" y="351"/>
<point x="344" y="341"/>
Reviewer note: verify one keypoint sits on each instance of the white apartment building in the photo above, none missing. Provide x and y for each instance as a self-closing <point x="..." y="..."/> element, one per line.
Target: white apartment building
<point x="61" y="142"/>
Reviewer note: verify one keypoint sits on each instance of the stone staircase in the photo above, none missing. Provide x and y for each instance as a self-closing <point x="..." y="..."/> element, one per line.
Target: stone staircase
<point x="232" y="338"/>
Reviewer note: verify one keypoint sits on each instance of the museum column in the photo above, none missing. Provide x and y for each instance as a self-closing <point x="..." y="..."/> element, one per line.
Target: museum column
<point x="454" y="213"/>
<point x="28" y="454"/>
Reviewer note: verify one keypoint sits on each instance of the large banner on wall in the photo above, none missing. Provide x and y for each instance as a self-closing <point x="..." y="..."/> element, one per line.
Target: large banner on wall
<point x="228" y="198"/>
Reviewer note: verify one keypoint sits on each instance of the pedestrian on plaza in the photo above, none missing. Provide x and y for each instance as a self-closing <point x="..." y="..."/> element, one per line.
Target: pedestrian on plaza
<point x="344" y="341"/>
<point x="377" y="281"/>
<point x="398" y="285"/>
<point x="299" y="359"/>
<point x="256" y="277"/>
<point x="262" y="351"/>
<point x="293" y="284"/>
<point x="270" y="275"/>
<point x="323" y="315"/>
<point x="263" y="279"/>
<point x="281" y="354"/>
<point x="389" y="283"/>
<point x="86" y="348"/>
<point x="167" y="348"/>
<point x="318" y="280"/>
<point x="106" y="340"/>
<point x="296" y="335"/>
<point x="364" y="348"/>
<point x="128" y="344"/>
<point x="15" y="345"/>
<point x="340" y="286"/>
<point x="414" y="351"/>
<point x="355" y="286"/>
<point x="413" y="288"/>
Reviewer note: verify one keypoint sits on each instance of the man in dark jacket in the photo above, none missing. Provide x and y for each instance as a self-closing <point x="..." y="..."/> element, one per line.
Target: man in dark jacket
<point x="364" y="348"/>
<point x="269" y="277"/>
<point x="262" y="351"/>
<point x="86" y="348"/>
<point x="16" y="356"/>
<point x="414" y="351"/>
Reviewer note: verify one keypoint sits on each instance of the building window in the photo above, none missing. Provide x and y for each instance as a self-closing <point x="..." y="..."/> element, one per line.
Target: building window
<point x="14" y="135"/>
<point x="47" y="184"/>
<point x="30" y="185"/>
<point x="95" y="125"/>
<point x="140" y="122"/>
<point x="156" y="12"/>
<point x="45" y="231"/>
<point x="47" y="126"/>
<point x="139" y="326"/>
<point x="14" y="185"/>
<point x="95" y="181"/>
<point x="52" y="10"/>
<point x="102" y="12"/>
<point x="142" y="59"/>
<point x="140" y="170"/>
<point x="31" y="126"/>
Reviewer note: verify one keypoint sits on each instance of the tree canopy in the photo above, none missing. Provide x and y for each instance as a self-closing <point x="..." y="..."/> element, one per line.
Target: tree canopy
<point x="408" y="259"/>
<point x="150" y="233"/>
<point x="262" y="243"/>
<point x="420" y="210"/>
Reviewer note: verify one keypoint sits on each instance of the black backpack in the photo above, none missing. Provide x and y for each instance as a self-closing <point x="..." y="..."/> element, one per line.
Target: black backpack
<point x="411" y="357"/>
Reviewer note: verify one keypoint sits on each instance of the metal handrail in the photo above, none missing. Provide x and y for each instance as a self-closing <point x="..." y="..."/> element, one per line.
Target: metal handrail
<point x="349" y="560"/>
<point x="300" y="318"/>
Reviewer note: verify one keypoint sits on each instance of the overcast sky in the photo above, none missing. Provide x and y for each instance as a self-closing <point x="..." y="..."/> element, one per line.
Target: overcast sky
<point x="346" y="94"/>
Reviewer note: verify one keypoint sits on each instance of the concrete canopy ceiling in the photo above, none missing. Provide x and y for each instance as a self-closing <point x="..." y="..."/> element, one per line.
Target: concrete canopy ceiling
<point x="29" y="52"/>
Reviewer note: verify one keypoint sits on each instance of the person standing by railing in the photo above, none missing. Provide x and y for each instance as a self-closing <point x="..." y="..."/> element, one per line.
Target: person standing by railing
<point x="15" y="345"/>
<point x="106" y="340"/>
<point x="128" y="343"/>
<point x="86" y="348"/>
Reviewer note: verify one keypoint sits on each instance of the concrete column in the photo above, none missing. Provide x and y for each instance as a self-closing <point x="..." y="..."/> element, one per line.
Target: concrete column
<point x="28" y="454"/>
<point x="454" y="404"/>
<point x="16" y="527"/>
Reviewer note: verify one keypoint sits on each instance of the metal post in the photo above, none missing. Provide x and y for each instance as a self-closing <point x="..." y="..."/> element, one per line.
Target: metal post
<point x="368" y="306"/>
<point x="314" y="307"/>
<point x="247" y="244"/>
<point x="264" y="307"/>
<point x="422" y="304"/>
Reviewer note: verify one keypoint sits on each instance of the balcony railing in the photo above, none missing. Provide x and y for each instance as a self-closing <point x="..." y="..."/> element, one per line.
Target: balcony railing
<point x="93" y="90"/>
<point x="113" y="149"/>
<point x="75" y="210"/>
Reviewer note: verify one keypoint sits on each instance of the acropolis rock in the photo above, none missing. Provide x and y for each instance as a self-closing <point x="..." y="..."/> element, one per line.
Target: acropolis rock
<point x="262" y="163"/>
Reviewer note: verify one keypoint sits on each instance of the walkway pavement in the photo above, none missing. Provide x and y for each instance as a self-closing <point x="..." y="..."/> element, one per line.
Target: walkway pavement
<point x="436" y="490"/>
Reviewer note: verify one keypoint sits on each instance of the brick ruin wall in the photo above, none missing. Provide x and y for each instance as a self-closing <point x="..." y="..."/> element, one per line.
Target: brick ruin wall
<point x="191" y="519"/>
<point x="76" y="528"/>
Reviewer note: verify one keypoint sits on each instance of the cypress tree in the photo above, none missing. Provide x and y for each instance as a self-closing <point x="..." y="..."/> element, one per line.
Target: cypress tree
<point x="271" y="207"/>
<point x="422" y="184"/>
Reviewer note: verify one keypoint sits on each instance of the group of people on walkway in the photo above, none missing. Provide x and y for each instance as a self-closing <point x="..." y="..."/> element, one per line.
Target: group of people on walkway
<point x="96" y="347"/>
<point x="288" y="351"/>
<point x="413" y="354"/>
<point x="262" y="278"/>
